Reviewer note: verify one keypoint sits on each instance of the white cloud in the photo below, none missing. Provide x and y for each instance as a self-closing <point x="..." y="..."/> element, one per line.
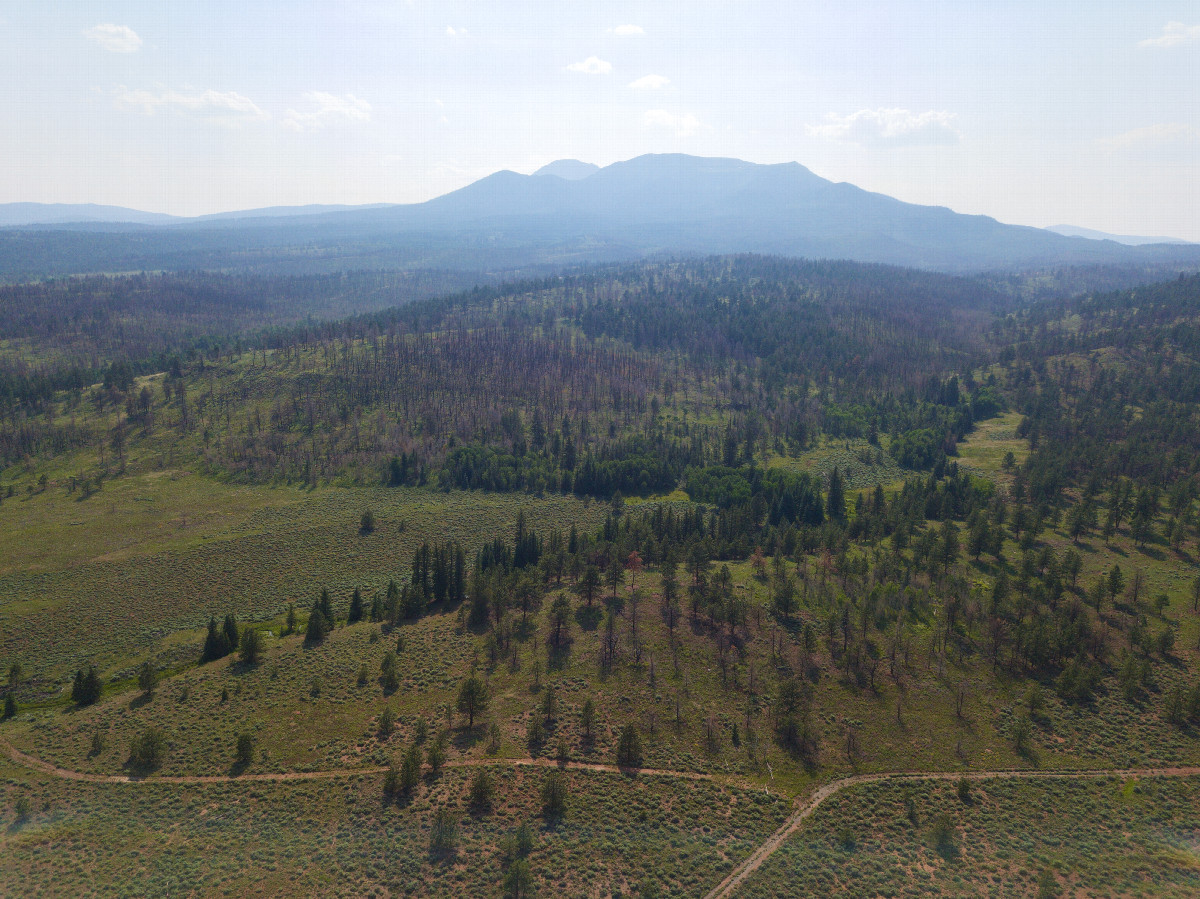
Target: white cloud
<point x="628" y="31"/>
<point x="451" y="31"/>
<point x="683" y="124"/>
<point x="327" y="109"/>
<point x="593" y="65"/>
<point x="115" y="38"/>
<point x="1152" y="135"/>
<point x="211" y="103"/>
<point x="888" y="127"/>
<point x="1175" y="34"/>
<point x="650" y="83"/>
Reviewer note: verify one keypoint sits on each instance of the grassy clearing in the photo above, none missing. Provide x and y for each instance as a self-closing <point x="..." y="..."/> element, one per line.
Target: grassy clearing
<point x="983" y="451"/>
<point x="1096" y="838"/>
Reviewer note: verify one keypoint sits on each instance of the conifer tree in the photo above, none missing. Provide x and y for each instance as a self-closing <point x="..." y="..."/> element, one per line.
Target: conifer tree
<point x="318" y="625"/>
<point x="629" y="748"/>
<point x="232" y="633"/>
<point x="356" y="607"/>
<point x="147" y="678"/>
<point x="835" y="503"/>
<point x="250" y="648"/>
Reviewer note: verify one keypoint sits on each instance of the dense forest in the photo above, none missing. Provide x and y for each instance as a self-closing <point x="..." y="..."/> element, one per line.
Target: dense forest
<point x="619" y="380"/>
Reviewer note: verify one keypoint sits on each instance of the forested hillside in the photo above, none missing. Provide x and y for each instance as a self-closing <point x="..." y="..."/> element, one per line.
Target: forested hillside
<point x="739" y="523"/>
<point x="595" y="383"/>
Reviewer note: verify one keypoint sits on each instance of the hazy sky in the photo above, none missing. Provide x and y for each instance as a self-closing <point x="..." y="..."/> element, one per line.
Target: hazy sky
<point x="1034" y="112"/>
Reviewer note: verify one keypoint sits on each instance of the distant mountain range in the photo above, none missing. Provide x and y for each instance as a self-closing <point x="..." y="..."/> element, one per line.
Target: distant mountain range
<point x="21" y="215"/>
<point x="1127" y="239"/>
<point x="567" y="212"/>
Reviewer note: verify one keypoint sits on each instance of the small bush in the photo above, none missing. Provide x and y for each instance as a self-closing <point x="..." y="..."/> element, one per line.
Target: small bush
<point x="244" y="753"/>
<point x="963" y="788"/>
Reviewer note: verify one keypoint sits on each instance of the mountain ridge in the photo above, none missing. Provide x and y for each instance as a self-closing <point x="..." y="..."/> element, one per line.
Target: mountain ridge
<point x="649" y="205"/>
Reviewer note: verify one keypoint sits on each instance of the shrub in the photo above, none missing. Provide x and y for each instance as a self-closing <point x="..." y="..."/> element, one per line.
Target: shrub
<point x="244" y="753"/>
<point x="964" y="789"/>
<point x="148" y="750"/>
<point x="945" y="836"/>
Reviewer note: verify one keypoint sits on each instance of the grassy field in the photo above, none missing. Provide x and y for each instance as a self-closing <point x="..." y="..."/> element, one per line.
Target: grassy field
<point x="340" y="838"/>
<point x="117" y="578"/>
<point x="1099" y="838"/>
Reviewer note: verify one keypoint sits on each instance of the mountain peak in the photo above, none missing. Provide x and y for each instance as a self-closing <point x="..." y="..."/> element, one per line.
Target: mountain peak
<point x="569" y="169"/>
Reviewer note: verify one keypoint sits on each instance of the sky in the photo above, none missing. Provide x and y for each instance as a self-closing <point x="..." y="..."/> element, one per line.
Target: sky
<point x="1037" y="113"/>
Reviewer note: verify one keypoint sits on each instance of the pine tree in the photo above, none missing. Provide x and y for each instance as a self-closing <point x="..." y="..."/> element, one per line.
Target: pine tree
<point x="473" y="698"/>
<point x="232" y="634"/>
<point x="554" y="795"/>
<point x="87" y="688"/>
<point x="318" y="626"/>
<point x="250" y="648"/>
<point x="436" y="753"/>
<point x="389" y="679"/>
<point x="10" y="707"/>
<point x="835" y="503"/>
<point x="147" y="678"/>
<point x="483" y="787"/>
<point x="325" y="604"/>
<point x="629" y="748"/>
<point x="356" y="607"/>
<point x="410" y="769"/>
<point x="216" y="644"/>
<point x="587" y="718"/>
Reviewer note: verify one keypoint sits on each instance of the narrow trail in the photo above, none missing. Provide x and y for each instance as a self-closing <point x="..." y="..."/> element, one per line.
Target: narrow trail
<point x="738" y="876"/>
<point x="34" y="763"/>
<point x="727" y="887"/>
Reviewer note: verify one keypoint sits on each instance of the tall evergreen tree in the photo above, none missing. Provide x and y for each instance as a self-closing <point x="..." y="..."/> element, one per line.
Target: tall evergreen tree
<point x="356" y="607"/>
<point x="835" y="502"/>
